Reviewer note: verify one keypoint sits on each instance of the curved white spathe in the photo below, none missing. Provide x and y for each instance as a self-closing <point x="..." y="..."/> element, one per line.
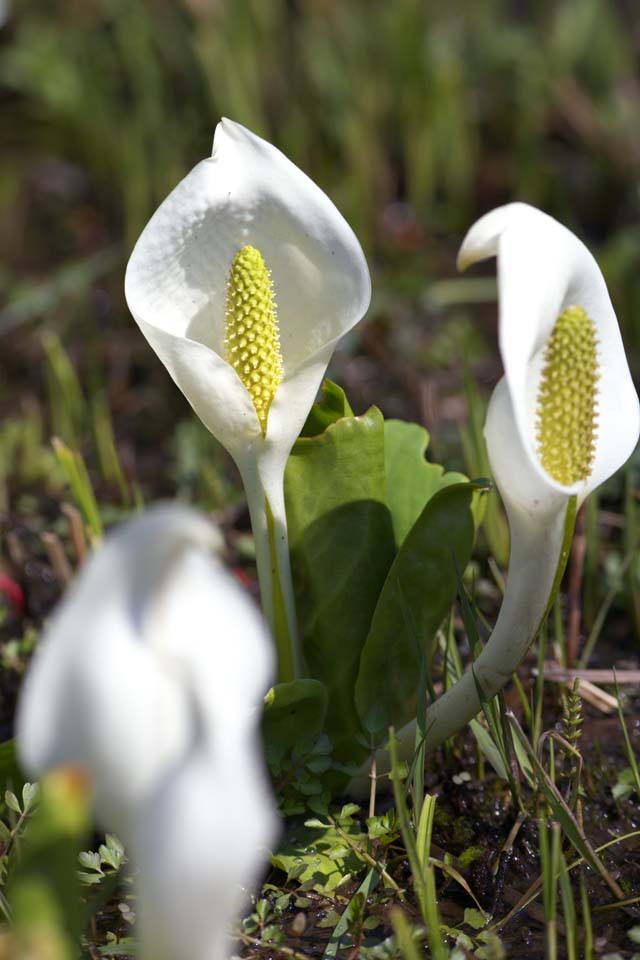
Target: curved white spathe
<point x="248" y="192"/>
<point x="151" y="677"/>
<point x="195" y="877"/>
<point x="542" y="269"/>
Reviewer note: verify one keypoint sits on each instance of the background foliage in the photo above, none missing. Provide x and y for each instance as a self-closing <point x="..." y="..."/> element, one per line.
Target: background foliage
<point x="416" y="117"/>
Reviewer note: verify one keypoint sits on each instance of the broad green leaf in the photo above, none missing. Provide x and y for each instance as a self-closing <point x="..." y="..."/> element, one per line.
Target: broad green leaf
<point x="411" y="479"/>
<point x="294" y="710"/>
<point x="342" y="546"/>
<point x="333" y="406"/>
<point x="417" y="594"/>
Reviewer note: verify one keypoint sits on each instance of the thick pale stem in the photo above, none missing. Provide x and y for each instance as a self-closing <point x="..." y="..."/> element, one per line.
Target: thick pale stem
<point x="539" y="551"/>
<point x="274" y="569"/>
<point x="257" y="512"/>
<point x="288" y="669"/>
<point x="281" y="566"/>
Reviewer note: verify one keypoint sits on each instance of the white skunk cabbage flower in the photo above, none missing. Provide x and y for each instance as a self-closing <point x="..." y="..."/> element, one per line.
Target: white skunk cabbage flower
<point x="242" y="282"/>
<point x="150" y="678"/>
<point x="563" y="419"/>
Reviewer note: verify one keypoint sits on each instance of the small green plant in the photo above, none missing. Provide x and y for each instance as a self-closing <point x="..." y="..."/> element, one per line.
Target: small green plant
<point x="103" y="863"/>
<point x="297" y="774"/>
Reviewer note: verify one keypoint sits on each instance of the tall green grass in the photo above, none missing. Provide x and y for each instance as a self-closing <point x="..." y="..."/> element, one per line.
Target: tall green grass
<point x="449" y="108"/>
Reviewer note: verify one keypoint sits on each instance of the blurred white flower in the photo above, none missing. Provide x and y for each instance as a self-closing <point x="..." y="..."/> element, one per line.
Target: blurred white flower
<point x="151" y="677"/>
<point x="244" y="231"/>
<point x="563" y="419"/>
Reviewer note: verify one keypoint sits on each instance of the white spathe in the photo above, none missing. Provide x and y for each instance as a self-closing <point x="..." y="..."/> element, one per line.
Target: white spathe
<point x="151" y="677"/>
<point x="542" y="269"/>
<point x="248" y="193"/>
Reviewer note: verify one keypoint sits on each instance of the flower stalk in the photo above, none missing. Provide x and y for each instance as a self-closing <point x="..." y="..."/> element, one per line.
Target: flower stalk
<point x="564" y="417"/>
<point x="532" y="589"/>
<point x="243" y="282"/>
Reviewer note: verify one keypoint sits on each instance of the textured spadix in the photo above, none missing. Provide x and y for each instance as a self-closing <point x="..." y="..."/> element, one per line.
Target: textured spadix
<point x="150" y="677"/>
<point x="252" y="338"/>
<point x="247" y="195"/>
<point x="561" y="421"/>
<point x="566" y="400"/>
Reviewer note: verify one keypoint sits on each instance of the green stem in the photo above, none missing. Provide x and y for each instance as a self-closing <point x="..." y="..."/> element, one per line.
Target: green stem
<point x="563" y="559"/>
<point x="268" y="522"/>
<point x="539" y="554"/>
<point x="404" y="822"/>
<point x="280" y="625"/>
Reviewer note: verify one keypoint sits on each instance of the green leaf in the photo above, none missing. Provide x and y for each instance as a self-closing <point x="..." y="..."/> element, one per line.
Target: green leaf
<point x="333" y="406"/>
<point x="12" y="801"/>
<point x="621" y="791"/>
<point x="474" y="918"/>
<point x="111" y="857"/>
<point x="487" y="744"/>
<point x="411" y="479"/>
<point x="44" y="887"/>
<point x="10" y="772"/>
<point x="294" y="710"/>
<point x="318" y="764"/>
<point x="90" y="860"/>
<point x="115" y="846"/>
<point x="425" y="829"/>
<point x="125" y="947"/>
<point x="29" y="794"/>
<point x="329" y="920"/>
<point x="350" y="914"/>
<point x="416" y="596"/>
<point x="342" y="546"/>
<point x="572" y="829"/>
<point x="78" y="479"/>
<point x="306" y="855"/>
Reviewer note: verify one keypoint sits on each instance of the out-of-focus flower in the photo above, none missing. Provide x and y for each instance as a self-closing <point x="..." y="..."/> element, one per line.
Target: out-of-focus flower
<point x="243" y="281"/>
<point x="563" y="419"/>
<point x="150" y="677"/>
<point x="13" y="593"/>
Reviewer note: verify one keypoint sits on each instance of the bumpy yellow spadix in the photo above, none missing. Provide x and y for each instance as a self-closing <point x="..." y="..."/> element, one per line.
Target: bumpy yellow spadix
<point x="252" y="337"/>
<point x="566" y="409"/>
